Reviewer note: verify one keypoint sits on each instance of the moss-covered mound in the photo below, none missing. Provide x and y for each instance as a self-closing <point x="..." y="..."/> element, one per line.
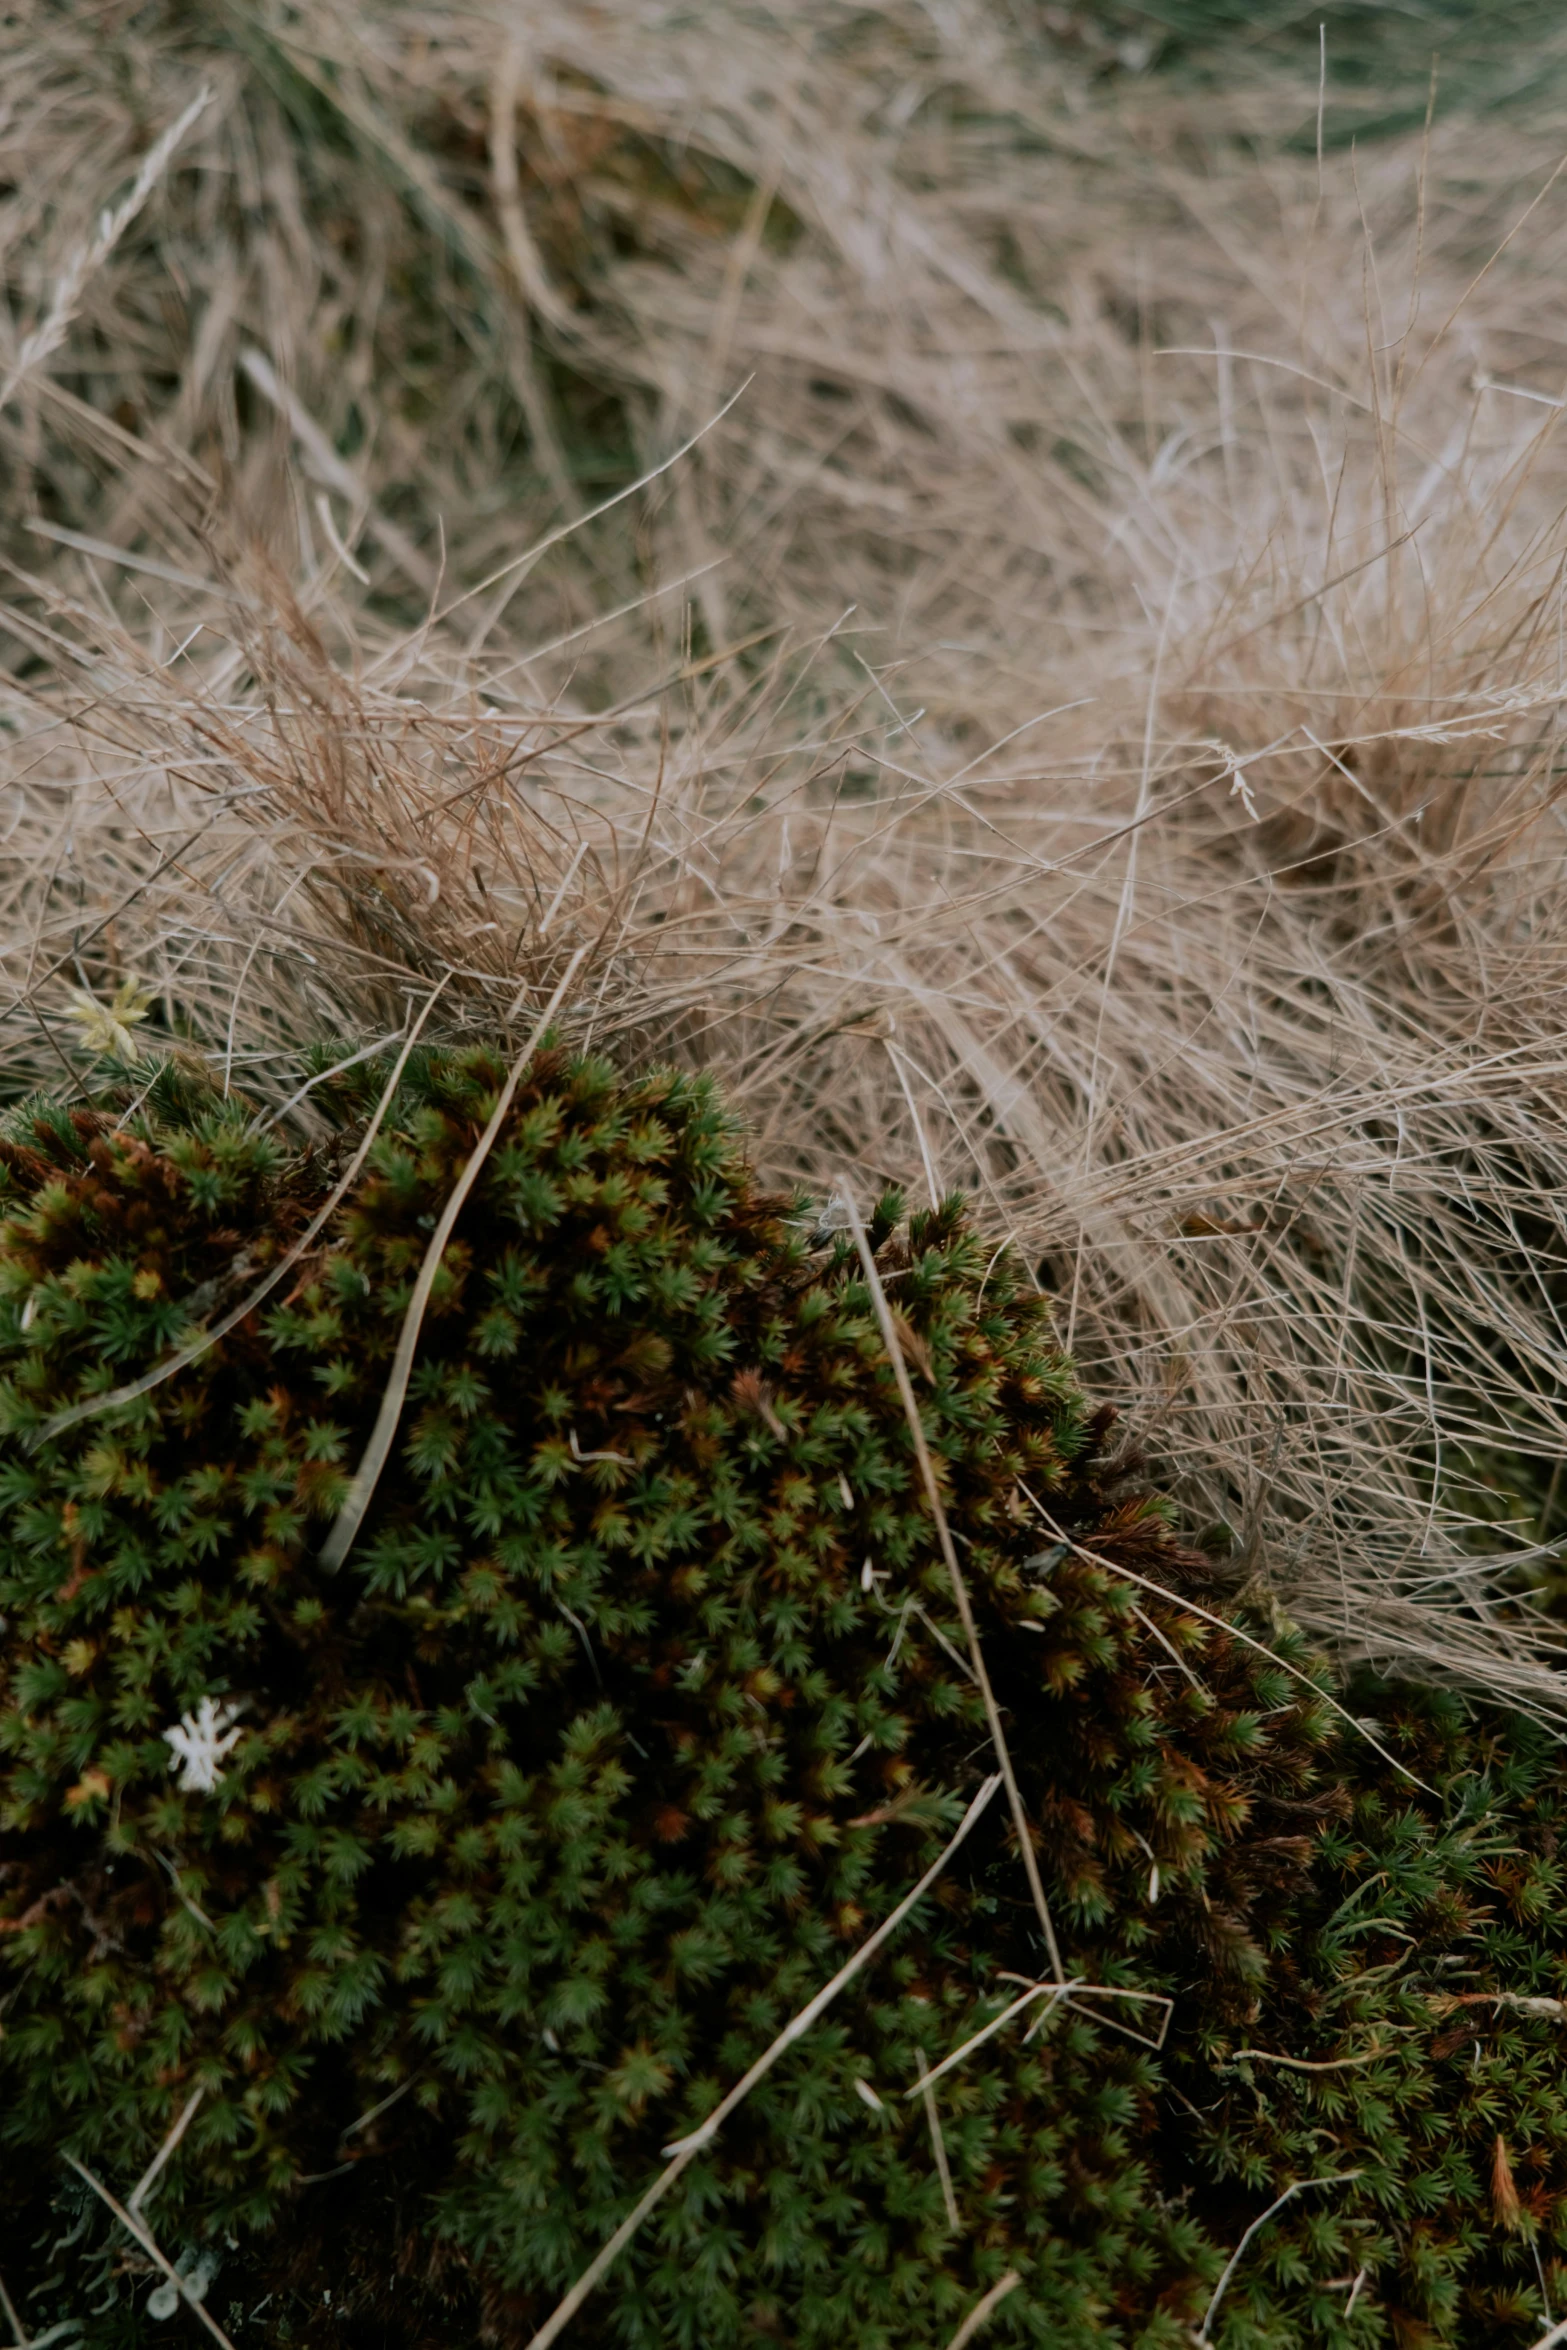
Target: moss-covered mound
<point x="480" y="1868"/>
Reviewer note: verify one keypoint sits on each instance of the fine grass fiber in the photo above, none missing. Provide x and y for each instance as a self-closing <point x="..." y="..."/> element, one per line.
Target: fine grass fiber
<point x="1065" y="703"/>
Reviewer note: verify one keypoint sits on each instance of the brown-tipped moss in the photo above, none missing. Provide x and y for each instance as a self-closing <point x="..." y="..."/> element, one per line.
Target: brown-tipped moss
<point x="640" y="1699"/>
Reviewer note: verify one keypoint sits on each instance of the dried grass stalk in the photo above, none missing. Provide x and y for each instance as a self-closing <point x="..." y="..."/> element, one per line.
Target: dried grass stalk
<point x="687" y="2149"/>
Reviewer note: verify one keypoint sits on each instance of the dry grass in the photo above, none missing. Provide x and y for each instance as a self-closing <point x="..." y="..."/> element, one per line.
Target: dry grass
<point x="1083" y="724"/>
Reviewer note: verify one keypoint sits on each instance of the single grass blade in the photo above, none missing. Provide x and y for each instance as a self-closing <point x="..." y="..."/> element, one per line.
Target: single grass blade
<point x="374" y="1458"/>
<point x="685" y="2150"/>
<point x="197" y="1346"/>
<point x="998" y="1734"/>
<point x="983" y="2311"/>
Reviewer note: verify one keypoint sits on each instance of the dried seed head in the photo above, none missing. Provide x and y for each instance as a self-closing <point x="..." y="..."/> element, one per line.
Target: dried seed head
<point x="1504" y="2191"/>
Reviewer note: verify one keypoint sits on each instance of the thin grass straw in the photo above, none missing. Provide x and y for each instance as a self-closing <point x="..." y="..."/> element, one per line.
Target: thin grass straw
<point x="1342" y="2178"/>
<point x="916" y="1121"/>
<point x="1303" y="2064"/>
<point x="154" y="2250"/>
<point x="1193" y="1607"/>
<point x="541" y="547"/>
<point x="197" y="1347"/>
<point x="331" y="470"/>
<point x="12" y="2320"/>
<point x="1112" y="2023"/>
<point x="366" y="1052"/>
<point x="374" y="1458"/>
<point x="154" y="2170"/>
<point x="686" y="2149"/>
<point x="382" y="2105"/>
<point x="988" y="2032"/>
<point x="938" y="2145"/>
<point x="983" y="2310"/>
<point x="998" y="1735"/>
<point x="1080" y="1991"/>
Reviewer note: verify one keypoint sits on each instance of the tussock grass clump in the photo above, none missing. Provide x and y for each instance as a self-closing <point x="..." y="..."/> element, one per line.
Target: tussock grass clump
<point x="1084" y="716"/>
<point x="481" y="1867"/>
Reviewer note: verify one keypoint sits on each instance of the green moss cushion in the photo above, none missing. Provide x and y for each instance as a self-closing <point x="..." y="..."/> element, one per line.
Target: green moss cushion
<point x="465" y="1878"/>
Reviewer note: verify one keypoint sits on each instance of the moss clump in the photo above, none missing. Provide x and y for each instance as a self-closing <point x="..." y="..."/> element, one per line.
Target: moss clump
<point x="639" y="1700"/>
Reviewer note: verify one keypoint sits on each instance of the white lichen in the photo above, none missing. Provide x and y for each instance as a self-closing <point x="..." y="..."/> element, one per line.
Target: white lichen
<point x="200" y="1741"/>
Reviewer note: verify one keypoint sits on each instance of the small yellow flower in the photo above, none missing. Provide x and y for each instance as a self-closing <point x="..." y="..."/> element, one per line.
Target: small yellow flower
<point x="106" y="1028"/>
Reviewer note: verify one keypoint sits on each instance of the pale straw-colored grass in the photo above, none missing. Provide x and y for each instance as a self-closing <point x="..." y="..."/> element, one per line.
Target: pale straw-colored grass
<point x="1082" y="725"/>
